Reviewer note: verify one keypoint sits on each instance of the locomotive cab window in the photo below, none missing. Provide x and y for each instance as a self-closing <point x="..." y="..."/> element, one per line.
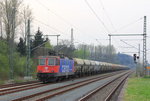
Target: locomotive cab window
<point x="51" y="61"/>
<point x="57" y="62"/>
<point x="42" y="62"/>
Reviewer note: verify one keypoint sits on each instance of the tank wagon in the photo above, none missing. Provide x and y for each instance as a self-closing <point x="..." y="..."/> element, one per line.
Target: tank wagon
<point x="52" y="68"/>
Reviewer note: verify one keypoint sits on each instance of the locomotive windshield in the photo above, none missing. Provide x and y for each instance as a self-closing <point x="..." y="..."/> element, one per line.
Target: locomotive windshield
<point x="42" y="61"/>
<point x="51" y="61"/>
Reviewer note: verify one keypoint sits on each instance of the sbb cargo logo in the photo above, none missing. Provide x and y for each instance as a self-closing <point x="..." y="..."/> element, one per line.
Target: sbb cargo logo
<point x="46" y="69"/>
<point x="65" y="68"/>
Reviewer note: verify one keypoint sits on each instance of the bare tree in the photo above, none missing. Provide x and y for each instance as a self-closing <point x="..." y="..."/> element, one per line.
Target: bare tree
<point x="26" y="15"/>
<point x="98" y="53"/>
<point x="10" y="11"/>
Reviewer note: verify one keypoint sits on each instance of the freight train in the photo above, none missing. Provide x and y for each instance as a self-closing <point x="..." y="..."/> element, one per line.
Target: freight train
<point x="53" y="68"/>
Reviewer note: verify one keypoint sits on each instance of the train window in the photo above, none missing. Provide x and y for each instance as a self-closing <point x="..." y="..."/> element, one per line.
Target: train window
<point x="71" y="62"/>
<point x="67" y="62"/>
<point x="57" y="62"/>
<point x="51" y="61"/>
<point x="42" y="61"/>
<point x="63" y="62"/>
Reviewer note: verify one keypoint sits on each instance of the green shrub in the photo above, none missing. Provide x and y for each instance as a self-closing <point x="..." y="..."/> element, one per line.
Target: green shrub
<point x="19" y="63"/>
<point x="4" y="71"/>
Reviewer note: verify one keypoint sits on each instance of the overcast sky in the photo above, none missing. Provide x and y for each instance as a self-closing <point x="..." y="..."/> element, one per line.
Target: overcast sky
<point x="107" y="17"/>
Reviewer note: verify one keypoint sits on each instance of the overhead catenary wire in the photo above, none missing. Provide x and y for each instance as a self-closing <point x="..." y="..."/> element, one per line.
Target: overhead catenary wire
<point x="127" y="25"/>
<point x="132" y="39"/>
<point x="56" y="30"/>
<point x="60" y="17"/>
<point x="107" y="15"/>
<point x="130" y="45"/>
<point x="99" y="19"/>
<point x="148" y="50"/>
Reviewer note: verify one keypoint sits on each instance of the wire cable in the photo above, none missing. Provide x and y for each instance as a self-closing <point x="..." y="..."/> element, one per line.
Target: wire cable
<point x="130" y="45"/>
<point x="125" y="26"/>
<point x="49" y="26"/>
<point x="60" y="17"/>
<point x="99" y="19"/>
<point x="107" y="15"/>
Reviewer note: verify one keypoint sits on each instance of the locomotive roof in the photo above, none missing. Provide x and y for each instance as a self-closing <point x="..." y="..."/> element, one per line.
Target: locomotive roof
<point x="48" y="56"/>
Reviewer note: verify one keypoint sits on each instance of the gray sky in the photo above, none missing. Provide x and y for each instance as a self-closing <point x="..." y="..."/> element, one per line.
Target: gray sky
<point x="62" y="15"/>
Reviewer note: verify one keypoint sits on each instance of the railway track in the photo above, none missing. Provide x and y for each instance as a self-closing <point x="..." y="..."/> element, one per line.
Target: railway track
<point x="60" y="90"/>
<point x="17" y="84"/>
<point x="13" y="88"/>
<point x="22" y="87"/>
<point x="107" y="91"/>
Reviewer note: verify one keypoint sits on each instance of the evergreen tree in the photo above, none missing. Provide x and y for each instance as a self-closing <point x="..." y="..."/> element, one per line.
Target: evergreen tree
<point x="21" y="47"/>
<point x="37" y="43"/>
<point x="38" y="40"/>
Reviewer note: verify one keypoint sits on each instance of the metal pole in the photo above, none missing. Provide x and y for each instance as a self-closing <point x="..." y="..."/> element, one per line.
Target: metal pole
<point x="109" y="40"/>
<point x="72" y="37"/>
<point x="11" y="47"/>
<point x="139" y="67"/>
<point x="57" y="44"/>
<point x="28" y="50"/>
<point x="57" y="40"/>
<point x="110" y="43"/>
<point x="144" y="47"/>
<point x="110" y="47"/>
<point x="95" y="52"/>
<point x="84" y="52"/>
<point x="29" y="70"/>
<point x="139" y="51"/>
<point x="138" y="70"/>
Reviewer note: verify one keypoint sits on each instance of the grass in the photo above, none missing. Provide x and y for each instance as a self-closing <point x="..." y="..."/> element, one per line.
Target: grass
<point x="138" y="89"/>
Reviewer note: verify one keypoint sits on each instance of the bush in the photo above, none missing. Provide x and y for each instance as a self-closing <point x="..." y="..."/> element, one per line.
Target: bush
<point x="19" y="65"/>
<point x="4" y="70"/>
<point x="18" y="61"/>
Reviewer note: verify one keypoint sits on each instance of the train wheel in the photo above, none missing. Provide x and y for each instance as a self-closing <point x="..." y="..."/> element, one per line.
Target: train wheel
<point x="45" y="81"/>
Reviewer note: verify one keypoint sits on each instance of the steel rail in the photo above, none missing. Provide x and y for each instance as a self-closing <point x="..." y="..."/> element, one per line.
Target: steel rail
<point x="16" y="84"/>
<point x="86" y="97"/>
<point x="17" y="87"/>
<point x="21" y="89"/>
<point x="54" y="89"/>
<point x="66" y="90"/>
<point x="116" y="88"/>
